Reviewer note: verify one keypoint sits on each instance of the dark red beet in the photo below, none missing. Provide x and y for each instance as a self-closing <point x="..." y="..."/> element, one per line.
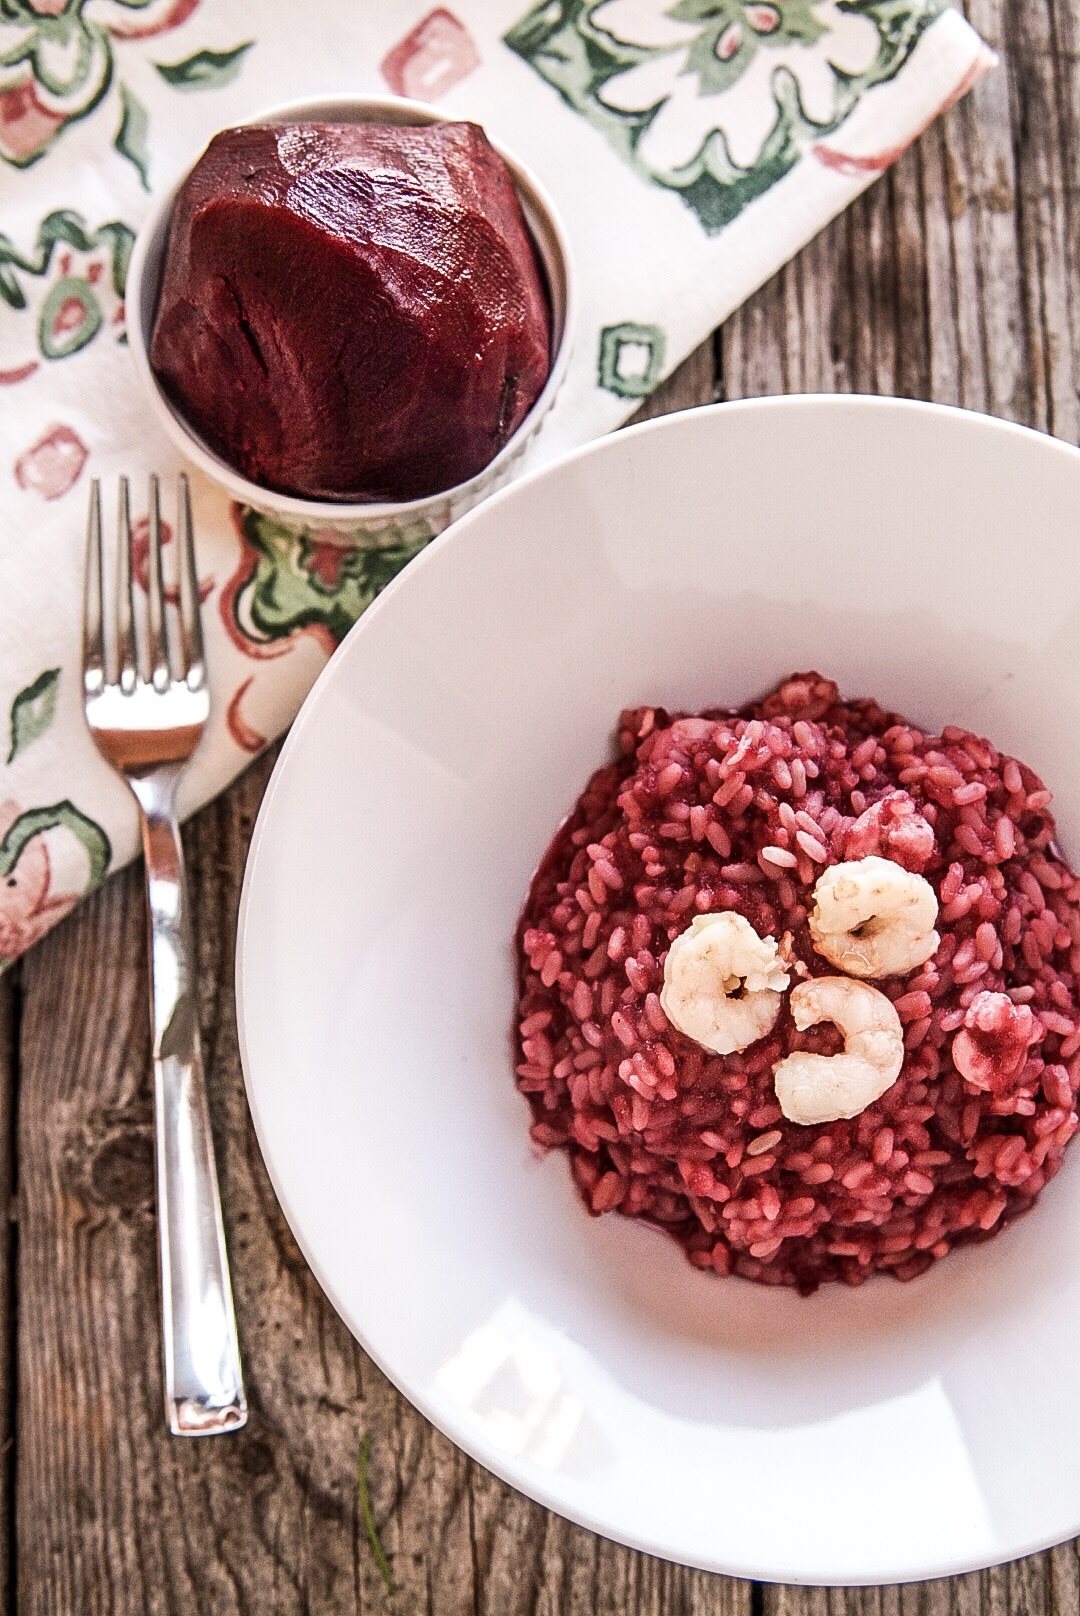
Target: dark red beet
<point x="352" y="311"/>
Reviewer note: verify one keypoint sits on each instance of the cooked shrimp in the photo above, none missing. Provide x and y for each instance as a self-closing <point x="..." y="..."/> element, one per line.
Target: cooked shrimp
<point x="824" y="1088"/>
<point x="872" y="917"/>
<point x="722" y="983"/>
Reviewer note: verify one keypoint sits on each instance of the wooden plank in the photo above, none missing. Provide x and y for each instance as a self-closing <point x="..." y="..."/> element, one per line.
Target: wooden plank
<point x="953" y="279"/>
<point x="113" y="1515"/>
<point x="1041" y="1585"/>
<point x="9" y="1017"/>
<point x="918" y="289"/>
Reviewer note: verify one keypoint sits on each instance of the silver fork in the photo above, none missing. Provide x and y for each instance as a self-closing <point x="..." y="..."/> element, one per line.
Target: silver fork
<point x="146" y="700"/>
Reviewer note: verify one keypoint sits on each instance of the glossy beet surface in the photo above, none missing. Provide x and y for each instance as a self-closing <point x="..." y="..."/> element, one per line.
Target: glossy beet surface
<point x="352" y="311"/>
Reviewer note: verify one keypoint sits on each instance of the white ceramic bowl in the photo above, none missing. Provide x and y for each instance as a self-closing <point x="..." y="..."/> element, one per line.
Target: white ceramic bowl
<point x="922" y="555"/>
<point x="356" y="523"/>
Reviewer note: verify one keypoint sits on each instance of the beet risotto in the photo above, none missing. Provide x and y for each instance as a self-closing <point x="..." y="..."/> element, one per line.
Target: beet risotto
<point x="799" y="986"/>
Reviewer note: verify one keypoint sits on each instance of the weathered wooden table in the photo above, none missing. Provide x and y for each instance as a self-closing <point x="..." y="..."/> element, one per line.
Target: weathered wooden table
<point x="955" y="279"/>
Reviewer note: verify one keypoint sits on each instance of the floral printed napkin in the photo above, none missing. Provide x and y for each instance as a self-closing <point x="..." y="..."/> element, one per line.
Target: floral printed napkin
<point x="691" y="145"/>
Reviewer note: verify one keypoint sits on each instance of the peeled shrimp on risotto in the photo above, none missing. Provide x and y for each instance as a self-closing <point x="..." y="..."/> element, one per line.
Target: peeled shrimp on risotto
<point x="963" y="927"/>
<point x="722" y="983"/>
<point x="822" y="1088"/>
<point x="871" y="917"/>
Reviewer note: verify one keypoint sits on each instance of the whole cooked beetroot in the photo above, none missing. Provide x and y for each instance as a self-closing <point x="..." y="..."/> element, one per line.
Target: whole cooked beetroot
<point x="352" y="311"/>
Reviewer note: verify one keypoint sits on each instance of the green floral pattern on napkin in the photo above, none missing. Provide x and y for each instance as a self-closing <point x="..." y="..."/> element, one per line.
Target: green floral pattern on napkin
<point x="716" y="100"/>
<point x="289" y="582"/>
<point x="57" y="63"/>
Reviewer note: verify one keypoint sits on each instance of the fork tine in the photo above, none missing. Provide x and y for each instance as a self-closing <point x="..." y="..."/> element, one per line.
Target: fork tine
<point x="190" y="605"/>
<point x="155" y="594"/>
<point x="126" y="653"/>
<point x="93" y="638"/>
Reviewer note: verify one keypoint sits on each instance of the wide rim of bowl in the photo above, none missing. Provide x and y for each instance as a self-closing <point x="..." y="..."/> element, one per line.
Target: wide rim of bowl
<point x="392" y="109"/>
<point x="534" y="1484"/>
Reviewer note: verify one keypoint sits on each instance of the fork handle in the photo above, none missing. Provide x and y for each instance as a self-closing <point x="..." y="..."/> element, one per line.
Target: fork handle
<point x="204" y="1386"/>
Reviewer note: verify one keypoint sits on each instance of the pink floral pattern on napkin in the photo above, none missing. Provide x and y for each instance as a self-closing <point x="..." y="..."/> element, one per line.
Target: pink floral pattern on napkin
<point x="53" y="463"/>
<point x="434" y="56"/>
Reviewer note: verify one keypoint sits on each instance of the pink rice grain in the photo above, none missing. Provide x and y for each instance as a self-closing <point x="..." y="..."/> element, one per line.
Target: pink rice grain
<point x="812" y="846"/>
<point x="742" y="811"/>
<point x="780" y="856"/>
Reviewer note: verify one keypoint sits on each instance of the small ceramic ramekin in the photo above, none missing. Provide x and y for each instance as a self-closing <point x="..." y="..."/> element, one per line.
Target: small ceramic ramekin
<point x="356" y="523"/>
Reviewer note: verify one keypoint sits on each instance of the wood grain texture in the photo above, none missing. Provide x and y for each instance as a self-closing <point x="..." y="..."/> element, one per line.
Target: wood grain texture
<point x="9" y="1016"/>
<point x="1042" y="1585"/>
<point x="954" y="278"/>
<point x="116" y="1517"/>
